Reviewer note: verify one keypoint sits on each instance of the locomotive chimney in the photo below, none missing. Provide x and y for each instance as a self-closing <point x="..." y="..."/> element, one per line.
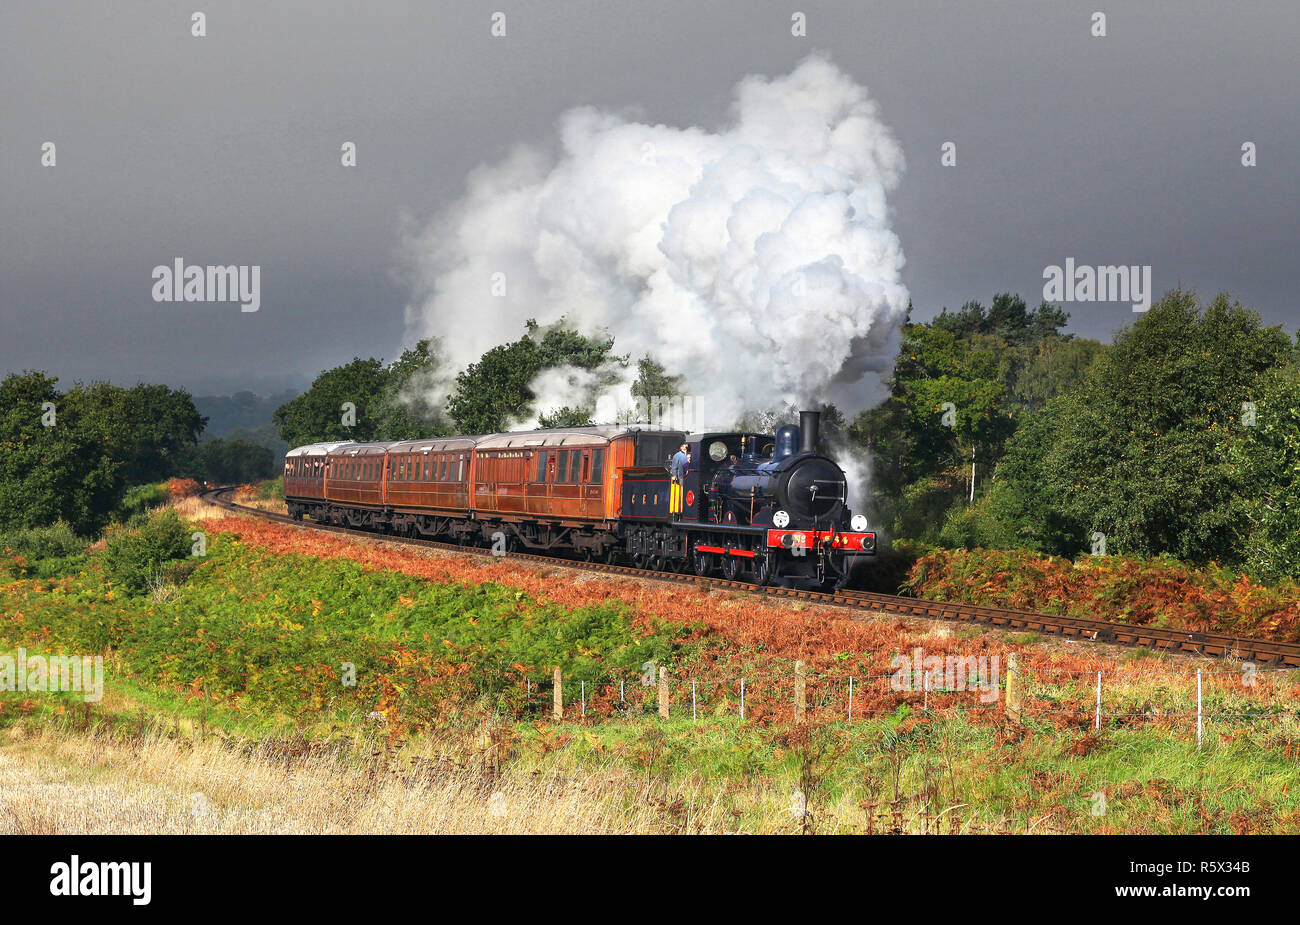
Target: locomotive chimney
<point x="809" y="421"/>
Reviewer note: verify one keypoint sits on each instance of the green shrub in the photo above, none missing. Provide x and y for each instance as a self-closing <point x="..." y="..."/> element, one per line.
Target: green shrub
<point x="272" y="489"/>
<point x="141" y="499"/>
<point x="134" y="556"/>
<point x="976" y="526"/>
<point x="59" y="566"/>
<point x="52" y="542"/>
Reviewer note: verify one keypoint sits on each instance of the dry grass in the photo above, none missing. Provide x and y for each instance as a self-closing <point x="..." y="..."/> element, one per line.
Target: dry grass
<point x="65" y="782"/>
<point x="274" y="505"/>
<point x="195" y="508"/>
<point x="69" y="783"/>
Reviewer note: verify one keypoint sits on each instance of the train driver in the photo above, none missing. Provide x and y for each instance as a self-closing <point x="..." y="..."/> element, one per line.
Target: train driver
<point x="680" y="461"/>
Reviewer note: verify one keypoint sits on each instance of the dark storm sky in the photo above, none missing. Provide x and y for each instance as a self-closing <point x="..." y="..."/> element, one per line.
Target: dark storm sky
<point x="225" y="149"/>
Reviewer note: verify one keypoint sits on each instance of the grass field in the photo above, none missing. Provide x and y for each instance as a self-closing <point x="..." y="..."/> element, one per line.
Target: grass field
<point x="227" y="708"/>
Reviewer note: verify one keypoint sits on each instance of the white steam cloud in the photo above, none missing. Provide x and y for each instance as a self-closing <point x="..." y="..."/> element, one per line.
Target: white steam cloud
<point x="756" y="261"/>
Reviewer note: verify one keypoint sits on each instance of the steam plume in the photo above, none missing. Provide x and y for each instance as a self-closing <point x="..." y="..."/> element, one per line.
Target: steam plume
<point x="755" y="260"/>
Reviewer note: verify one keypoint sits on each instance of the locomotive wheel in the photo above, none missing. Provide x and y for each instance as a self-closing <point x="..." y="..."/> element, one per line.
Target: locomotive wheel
<point x="730" y="568"/>
<point x="762" y="569"/>
<point x="639" y="560"/>
<point x="703" y="562"/>
<point x="611" y="555"/>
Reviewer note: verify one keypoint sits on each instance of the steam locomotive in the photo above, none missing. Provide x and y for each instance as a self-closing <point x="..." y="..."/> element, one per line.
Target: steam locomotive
<point x="767" y="508"/>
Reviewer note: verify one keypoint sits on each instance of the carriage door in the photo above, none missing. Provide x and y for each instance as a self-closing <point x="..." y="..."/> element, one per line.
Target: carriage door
<point x="551" y="457"/>
<point x="584" y="484"/>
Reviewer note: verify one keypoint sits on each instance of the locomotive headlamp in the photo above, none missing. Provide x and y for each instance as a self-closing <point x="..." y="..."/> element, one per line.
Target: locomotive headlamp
<point x="858" y="523"/>
<point x="781" y="519"/>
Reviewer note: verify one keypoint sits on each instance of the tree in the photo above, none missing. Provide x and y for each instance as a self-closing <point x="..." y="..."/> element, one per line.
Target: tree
<point x="147" y="426"/>
<point x="495" y="391"/>
<point x="1017" y="502"/>
<point x="230" y="461"/>
<point x="1267" y="462"/>
<point x="1008" y="319"/>
<point x="566" y="417"/>
<point x="321" y="413"/>
<point x="71" y="456"/>
<point x="1054" y="368"/>
<point x="948" y="397"/>
<point x="653" y="382"/>
<point x="405" y="410"/>
<point x="1142" y="451"/>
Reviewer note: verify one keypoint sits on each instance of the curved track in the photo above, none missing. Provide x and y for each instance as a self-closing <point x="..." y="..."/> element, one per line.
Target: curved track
<point x="1181" y="642"/>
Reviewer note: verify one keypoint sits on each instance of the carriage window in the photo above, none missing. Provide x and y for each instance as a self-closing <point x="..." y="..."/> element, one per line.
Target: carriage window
<point x="562" y="472"/>
<point x="541" y="466"/>
<point x="586" y="467"/>
<point x="442" y="470"/>
<point x="460" y="470"/>
<point x="597" y="465"/>
<point x="575" y="461"/>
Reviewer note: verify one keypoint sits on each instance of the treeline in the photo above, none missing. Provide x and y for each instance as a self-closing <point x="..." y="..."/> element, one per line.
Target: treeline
<point x="1181" y="438"/>
<point x="367" y="400"/>
<point x="72" y="456"/>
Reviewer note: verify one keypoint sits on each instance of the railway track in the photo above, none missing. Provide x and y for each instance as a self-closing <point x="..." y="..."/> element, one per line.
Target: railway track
<point x="1263" y="651"/>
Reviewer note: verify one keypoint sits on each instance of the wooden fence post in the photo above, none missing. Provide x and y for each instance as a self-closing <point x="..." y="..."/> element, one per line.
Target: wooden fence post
<point x="1013" y="686"/>
<point x="800" y="694"/>
<point x="557" y="696"/>
<point x="663" y="692"/>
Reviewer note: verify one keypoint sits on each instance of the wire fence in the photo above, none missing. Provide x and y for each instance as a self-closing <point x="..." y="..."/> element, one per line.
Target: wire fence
<point x="1101" y="698"/>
